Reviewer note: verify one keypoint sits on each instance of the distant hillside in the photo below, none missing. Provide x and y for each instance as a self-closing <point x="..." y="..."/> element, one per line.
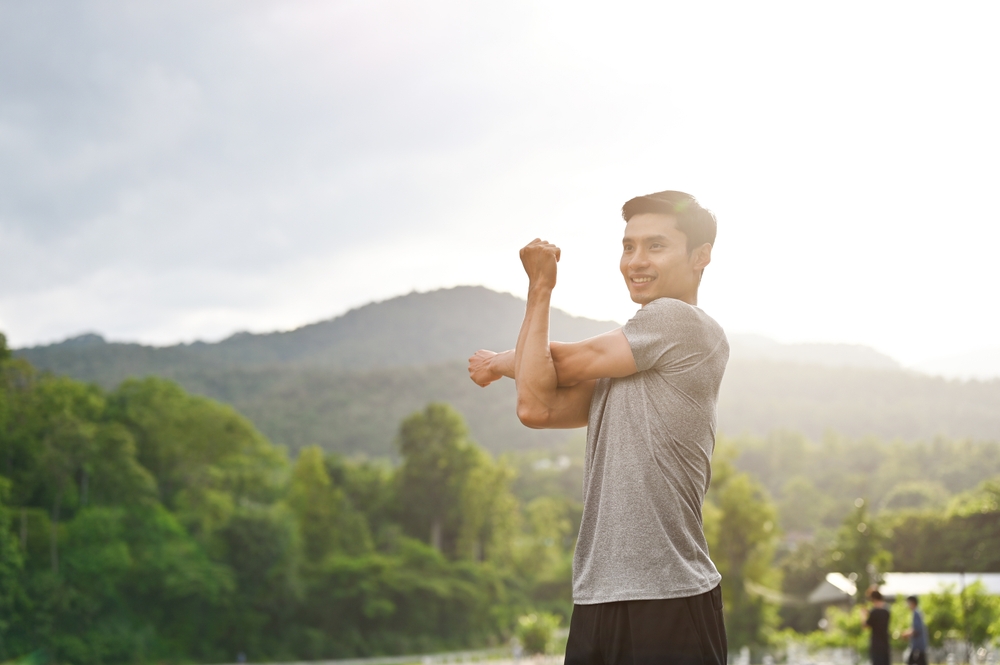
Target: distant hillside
<point x="412" y="330"/>
<point x="983" y="365"/>
<point x="346" y="383"/>
<point x="757" y="347"/>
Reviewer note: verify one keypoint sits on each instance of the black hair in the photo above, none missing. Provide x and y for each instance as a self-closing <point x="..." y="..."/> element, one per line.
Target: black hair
<point x="876" y="595"/>
<point x="913" y="599"/>
<point x="695" y="222"/>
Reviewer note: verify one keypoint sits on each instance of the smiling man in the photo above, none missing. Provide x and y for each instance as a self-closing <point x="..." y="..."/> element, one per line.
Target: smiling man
<point x="644" y="587"/>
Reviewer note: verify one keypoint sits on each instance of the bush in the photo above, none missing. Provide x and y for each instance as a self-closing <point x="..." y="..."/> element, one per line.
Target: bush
<point x="535" y="631"/>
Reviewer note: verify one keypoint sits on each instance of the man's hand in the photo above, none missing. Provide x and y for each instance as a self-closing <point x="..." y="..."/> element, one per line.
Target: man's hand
<point x="539" y="258"/>
<point x="481" y="368"/>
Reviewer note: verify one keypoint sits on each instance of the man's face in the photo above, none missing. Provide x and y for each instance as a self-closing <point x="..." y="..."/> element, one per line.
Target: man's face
<point x="655" y="261"/>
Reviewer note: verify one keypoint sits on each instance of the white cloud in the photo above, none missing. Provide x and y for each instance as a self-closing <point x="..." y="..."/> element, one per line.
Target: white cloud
<point x="187" y="170"/>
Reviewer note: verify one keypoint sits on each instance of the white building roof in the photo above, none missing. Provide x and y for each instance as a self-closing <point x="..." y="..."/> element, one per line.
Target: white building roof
<point x="917" y="584"/>
<point x="838" y="589"/>
<point x="834" y="589"/>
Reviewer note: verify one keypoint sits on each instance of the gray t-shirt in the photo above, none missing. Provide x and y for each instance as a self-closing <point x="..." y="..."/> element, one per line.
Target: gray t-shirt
<point x="649" y="451"/>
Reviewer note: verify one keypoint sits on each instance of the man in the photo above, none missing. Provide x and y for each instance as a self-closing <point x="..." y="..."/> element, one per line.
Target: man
<point x="917" y="634"/>
<point x="878" y="622"/>
<point x="644" y="587"/>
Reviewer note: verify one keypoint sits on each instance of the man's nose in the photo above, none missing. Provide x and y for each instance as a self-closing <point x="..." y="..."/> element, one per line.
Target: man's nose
<point x="639" y="259"/>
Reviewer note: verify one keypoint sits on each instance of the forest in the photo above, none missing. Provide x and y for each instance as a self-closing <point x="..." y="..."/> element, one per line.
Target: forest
<point x="144" y="523"/>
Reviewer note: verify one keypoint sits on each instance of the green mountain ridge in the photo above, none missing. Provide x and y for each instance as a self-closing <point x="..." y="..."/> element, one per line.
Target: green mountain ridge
<point x="411" y="330"/>
<point x="346" y="383"/>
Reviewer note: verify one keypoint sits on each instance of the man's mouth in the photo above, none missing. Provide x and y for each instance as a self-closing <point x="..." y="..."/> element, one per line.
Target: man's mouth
<point x="642" y="280"/>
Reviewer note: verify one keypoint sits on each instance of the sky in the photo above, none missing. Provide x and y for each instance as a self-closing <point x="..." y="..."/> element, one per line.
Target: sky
<point x="185" y="170"/>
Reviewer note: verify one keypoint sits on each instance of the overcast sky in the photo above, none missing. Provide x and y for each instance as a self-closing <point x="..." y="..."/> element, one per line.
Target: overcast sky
<point x="172" y="171"/>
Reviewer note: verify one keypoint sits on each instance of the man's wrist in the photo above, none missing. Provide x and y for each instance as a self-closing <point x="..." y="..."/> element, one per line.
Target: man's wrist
<point x="502" y="363"/>
<point x="540" y="290"/>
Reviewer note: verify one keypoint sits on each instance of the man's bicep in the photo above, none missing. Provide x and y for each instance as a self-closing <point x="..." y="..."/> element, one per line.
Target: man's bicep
<point x="607" y="356"/>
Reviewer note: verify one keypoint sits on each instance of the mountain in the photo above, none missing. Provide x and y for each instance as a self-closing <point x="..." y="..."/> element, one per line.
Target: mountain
<point x="758" y="347"/>
<point x="407" y="331"/>
<point x="983" y="365"/>
<point x="347" y="382"/>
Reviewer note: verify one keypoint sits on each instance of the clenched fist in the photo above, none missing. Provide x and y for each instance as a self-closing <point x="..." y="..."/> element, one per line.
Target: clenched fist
<point x="481" y="368"/>
<point x="539" y="258"/>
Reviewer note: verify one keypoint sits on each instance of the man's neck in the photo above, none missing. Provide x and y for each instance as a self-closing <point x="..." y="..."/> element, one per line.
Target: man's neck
<point x="691" y="299"/>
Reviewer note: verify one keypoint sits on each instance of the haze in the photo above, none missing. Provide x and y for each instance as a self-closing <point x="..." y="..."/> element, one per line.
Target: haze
<point x="180" y="171"/>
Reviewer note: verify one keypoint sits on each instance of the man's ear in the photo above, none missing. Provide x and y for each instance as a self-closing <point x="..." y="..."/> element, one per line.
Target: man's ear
<point x="701" y="256"/>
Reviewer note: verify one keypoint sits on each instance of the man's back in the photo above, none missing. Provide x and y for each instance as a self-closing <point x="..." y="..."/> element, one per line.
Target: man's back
<point x="649" y="449"/>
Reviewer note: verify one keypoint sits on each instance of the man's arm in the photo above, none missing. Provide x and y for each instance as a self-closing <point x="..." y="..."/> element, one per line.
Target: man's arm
<point x="605" y="356"/>
<point x="555" y="382"/>
<point x="539" y="402"/>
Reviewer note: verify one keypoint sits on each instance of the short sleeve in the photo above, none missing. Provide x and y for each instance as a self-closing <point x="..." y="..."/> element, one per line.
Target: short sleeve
<point x="663" y="332"/>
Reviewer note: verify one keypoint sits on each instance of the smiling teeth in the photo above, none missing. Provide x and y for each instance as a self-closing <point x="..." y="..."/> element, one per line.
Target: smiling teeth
<point x="642" y="280"/>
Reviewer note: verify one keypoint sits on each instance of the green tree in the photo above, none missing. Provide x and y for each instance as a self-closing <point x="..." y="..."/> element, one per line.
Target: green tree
<point x="803" y="505"/>
<point x="741" y="523"/>
<point x="369" y="488"/>
<point x="410" y="600"/>
<point x="260" y="547"/>
<point x="11" y="571"/>
<point x="859" y="550"/>
<point x="844" y="629"/>
<point x="71" y="411"/>
<point x="325" y="520"/>
<point x="451" y="494"/>
<point x="206" y="458"/>
<point x="183" y="597"/>
<point x="489" y="512"/>
<point x="966" y="615"/>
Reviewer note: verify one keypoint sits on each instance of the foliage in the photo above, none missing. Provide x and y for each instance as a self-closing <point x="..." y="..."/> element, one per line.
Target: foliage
<point x="816" y="482"/>
<point x="450" y="491"/>
<point x="741" y="525"/>
<point x="146" y="523"/>
<point x="964" y="536"/>
<point x="963" y="615"/>
<point x="844" y="628"/>
<point x="535" y="632"/>
<point x="859" y="551"/>
<point x="151" y="524"/>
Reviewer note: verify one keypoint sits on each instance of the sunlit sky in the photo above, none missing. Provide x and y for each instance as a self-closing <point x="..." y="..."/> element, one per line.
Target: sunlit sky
<point x="185" y="170"/>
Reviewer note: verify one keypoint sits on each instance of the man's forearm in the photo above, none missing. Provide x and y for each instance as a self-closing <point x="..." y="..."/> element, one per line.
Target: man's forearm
<point x="503" y="363"/>
<point x="536" y="378"/>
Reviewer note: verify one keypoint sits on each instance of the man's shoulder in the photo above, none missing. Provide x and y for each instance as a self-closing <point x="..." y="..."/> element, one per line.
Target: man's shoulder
<point x="669" y="304"/>
<point x="678" y="314"/>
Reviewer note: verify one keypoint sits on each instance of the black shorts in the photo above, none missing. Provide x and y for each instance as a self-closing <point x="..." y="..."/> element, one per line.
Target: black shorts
<point x="686" y="631"/>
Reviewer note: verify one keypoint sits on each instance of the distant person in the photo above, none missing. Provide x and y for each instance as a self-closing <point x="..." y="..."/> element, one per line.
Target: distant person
<point x="877" y="621"/>
<point x="917" y="634"/>
<point x="644" y="587"/>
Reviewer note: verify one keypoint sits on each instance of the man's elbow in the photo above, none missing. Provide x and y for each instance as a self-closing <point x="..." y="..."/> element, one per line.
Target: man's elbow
<point x="531" y="415"/>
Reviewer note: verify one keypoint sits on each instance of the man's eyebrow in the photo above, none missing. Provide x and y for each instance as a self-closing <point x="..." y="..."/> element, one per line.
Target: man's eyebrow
<point x="658" y="236"/>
